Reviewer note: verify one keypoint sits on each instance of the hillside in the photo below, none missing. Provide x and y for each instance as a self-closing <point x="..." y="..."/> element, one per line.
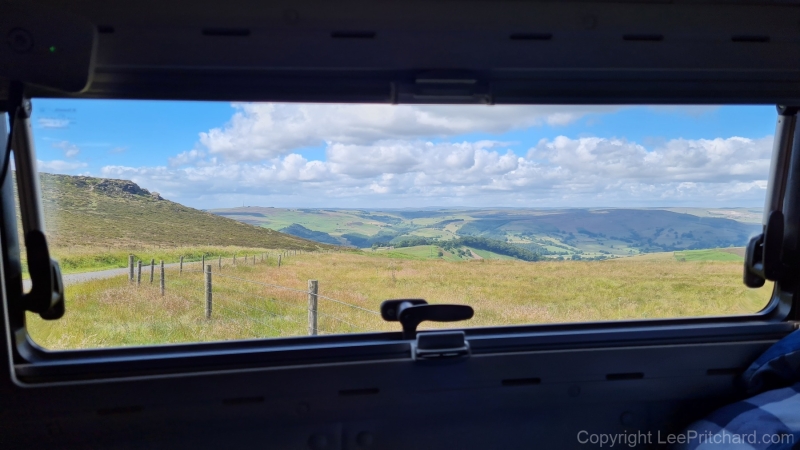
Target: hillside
<point x="579" y="233"/>
<point x="82" y="211"/>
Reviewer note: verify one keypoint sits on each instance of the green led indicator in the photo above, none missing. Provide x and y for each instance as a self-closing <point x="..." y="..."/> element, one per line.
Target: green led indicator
<point x="52" y="49"/>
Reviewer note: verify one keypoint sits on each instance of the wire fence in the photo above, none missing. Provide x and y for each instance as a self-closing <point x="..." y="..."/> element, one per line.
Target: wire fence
<point x="262" y="305"/>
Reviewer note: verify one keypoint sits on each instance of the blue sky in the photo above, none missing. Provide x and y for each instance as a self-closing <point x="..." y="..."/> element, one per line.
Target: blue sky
<point x="215" y="154"/>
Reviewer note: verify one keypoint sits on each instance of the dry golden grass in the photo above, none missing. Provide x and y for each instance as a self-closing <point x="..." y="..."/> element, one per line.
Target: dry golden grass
<point x="113" y="312"/>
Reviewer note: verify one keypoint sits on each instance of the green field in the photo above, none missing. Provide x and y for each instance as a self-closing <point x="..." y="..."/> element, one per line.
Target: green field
<point x="707" y="255"/>
<point x="114" y="312"/>
<point x="431" y="252"/>
<point x="486" y="254"/>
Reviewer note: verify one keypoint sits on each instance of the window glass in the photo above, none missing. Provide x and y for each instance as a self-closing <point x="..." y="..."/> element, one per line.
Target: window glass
<point x="529" y="214"/>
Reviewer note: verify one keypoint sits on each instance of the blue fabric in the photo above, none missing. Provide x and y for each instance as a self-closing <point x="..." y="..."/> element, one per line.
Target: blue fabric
<point x="779" y="364"/>
<point x="767" y="421"/>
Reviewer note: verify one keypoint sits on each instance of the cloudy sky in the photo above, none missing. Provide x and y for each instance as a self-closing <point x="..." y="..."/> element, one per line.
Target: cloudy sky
<point x="213" y="154"/>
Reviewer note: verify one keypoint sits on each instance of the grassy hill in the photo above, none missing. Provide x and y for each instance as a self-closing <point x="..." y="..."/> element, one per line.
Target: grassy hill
<point x="101" y="212"/>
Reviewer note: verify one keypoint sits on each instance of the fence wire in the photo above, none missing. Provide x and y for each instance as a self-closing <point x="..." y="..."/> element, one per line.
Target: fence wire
<point x="227" y="293"/>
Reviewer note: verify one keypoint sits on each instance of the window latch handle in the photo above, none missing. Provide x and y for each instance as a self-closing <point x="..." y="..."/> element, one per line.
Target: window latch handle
<point x="763" y="255"/>
<point x="411" y="312"/>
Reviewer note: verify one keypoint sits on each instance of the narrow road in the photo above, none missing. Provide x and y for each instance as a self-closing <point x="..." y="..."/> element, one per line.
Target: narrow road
<point x="75" y="278"/>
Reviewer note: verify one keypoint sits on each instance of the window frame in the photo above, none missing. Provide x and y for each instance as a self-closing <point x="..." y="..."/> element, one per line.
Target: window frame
<point x="33" y="365"/>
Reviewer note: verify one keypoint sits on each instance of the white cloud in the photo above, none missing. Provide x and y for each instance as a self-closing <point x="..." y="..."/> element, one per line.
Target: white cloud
<point x="405" y="173"/>
<point x="259" y="131"/>
<point x="186" y="157"/>
<point x="58" y="166"/>
<point x="70" y="150"/>
<point x="710" y="160"/>
<point x="49" y="122"/>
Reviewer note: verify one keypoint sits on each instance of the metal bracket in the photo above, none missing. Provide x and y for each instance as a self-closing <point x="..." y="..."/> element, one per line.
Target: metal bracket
<point x="763" y="257"/>
<point x="439" y="345"/>
<point x="46" y="296"/>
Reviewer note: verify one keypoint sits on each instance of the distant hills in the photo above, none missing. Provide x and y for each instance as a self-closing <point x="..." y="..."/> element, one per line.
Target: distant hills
<point x="303" y="232"/>
<point x="566" y="233"/>
<point x="88" y="211"/>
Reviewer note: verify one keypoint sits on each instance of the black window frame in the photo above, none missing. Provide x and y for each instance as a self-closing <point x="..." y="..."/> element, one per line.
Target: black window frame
<point x="33" y="365"/>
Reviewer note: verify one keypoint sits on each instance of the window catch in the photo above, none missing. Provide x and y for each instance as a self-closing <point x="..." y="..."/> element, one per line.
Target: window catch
<point x="410" y="312"/>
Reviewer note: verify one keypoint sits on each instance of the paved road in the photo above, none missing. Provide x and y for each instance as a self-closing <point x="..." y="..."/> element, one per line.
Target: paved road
<point x="74" y="278"/>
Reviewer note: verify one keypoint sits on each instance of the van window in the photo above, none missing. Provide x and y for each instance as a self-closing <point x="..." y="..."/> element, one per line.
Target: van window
<point x="203" y="221"/>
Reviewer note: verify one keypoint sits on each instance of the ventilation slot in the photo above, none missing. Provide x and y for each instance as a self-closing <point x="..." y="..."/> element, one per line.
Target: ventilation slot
<point x="353" y="35"/>
<point x="105" y="29"/>
<point x="624" y="376"/>
<point x="728" y="371"/>
<point x="747" y="38"/>
<point x="521" y="381"/>
<point x="356" y="392"/>
<point x="242" y="401"/>
<point x="226" y="32"/>
<point x="119" y="410"/>
<point x="531" y="36"/>
<point x="643" y="37"/>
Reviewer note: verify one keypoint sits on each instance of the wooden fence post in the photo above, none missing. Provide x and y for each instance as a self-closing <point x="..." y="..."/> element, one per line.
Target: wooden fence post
<point x="279" y="261"/>
<point x="203" y="264"/>
<point x="220" y="262"/>
<point x="208" y="291"/>
<point x="312" y="307"/>
<point x="152" y="269"/>
<point x="130" y="267"/>
<point x="181" y="271"/>
<point x="162" y="278"/>
<point x="139" y="273"/>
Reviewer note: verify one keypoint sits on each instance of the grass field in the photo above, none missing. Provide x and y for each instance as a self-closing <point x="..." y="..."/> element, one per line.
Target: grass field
<point x="113" y="312"/>
<point x="708" y="255"/>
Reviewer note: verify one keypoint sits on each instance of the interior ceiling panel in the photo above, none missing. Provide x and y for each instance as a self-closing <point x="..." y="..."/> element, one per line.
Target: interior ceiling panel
<point x="445" y="51"/>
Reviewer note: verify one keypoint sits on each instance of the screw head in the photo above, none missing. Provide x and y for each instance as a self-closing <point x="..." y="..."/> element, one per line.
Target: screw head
<point x="20" y="40"/>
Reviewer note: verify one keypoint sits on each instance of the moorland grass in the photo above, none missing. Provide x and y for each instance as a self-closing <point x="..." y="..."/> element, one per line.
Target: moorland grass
<point x="113" y="312"/>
